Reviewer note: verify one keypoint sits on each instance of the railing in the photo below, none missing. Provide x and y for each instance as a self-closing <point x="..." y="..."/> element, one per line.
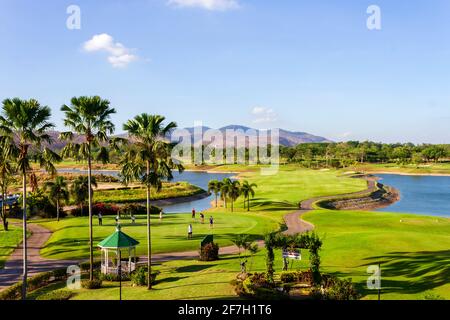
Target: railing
<point x="112" y="269"/>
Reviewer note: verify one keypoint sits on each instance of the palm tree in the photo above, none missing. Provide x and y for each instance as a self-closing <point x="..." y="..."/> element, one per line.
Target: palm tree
<point x="225" y="189"/>
<point x="234" y="192"/>
<point x="89" y="117"/>
<point x="248" y="190"/>
<point x="26" y="124"/>
<point x="58" y="192"/>
<point x="7" y="171"/>
<point x="148" y="161"/>
<point x="215" y="186"/>
<point x="80" y="190"/>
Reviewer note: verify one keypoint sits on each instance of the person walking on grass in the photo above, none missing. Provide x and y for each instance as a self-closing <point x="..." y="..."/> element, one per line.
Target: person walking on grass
<point x="133" y="219"/>
<point x="190" y="231"/>
<point x="161" y="214"/>
<point x="193" y="213"/>
<point x="211" y="222"/>
<point x="100" y="219"/>
<point x="202" y="218"/>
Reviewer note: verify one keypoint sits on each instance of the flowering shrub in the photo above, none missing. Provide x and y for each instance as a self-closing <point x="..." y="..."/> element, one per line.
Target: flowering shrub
<point x="209" y="252"/>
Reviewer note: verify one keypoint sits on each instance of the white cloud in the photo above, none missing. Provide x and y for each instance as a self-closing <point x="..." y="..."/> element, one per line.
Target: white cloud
<point x="212" y="5"/>
<point x="264" y="115"/>
<point x="119" y="55"/>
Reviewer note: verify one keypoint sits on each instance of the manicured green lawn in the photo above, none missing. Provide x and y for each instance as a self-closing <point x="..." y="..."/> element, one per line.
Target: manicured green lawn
<point x="430" y="168"/>
<point x="180" y="280"/>
<point x="292" y="185"/>
<point x="413" y="250"/>
<point x="70" y="237"/>
<point x="8" y="242"/>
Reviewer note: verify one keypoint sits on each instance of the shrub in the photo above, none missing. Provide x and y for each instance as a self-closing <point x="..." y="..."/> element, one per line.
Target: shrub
<point x="56" y="295"/>
<point x="334" y="288"/>
<point x="432" y="296"/>
<point x="134" y="209"/>
<point x="39" y="204"/>
<point x="38" y="281"/>
<point x="139" y="276"/>
<point x="306" y="277"/>
<point x="258" y="286"/>
<point x="59" y="274"/>
<point x="115" y="277"/>
<point x="209" y="252"/>
<point x="84" y="266"/>
<point x="288" y="277"/>
<point x="105" y="209"/>
<point x="91" y="284"/>
<point x="13" y="292"/>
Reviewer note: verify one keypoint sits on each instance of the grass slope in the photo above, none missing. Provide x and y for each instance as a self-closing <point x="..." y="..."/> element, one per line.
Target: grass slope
<point x="8" y="242"/>
<point x="413" y="250"/>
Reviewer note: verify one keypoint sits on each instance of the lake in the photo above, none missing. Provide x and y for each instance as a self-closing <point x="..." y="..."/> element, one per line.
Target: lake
<point x="199" y="179"/>
<point x="426" y="195"/>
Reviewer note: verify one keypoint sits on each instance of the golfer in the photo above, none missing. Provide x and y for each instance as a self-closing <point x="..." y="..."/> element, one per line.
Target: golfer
<point x="190" y="231"/>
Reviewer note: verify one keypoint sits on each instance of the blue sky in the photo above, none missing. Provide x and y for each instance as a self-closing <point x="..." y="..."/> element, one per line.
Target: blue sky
<point x="301" y="65"/>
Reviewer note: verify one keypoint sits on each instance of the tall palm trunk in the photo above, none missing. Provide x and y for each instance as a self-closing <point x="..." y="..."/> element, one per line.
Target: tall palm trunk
<point x="5" y="222"/>
<point x="91" y="250"/>
<point x="232" y="209"/>
<point x="57" y="209"/>
<point x="24" y="245"/>
<point x="216" y="199"/>
<point x="248" y="203"/>
<point x="149" y="245"/>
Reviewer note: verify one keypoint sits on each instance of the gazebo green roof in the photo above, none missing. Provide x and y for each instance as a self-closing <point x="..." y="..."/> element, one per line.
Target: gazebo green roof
<point x="118" y="240"/>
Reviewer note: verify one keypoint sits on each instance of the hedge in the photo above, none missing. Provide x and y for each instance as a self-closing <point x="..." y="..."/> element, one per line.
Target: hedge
<point x="40" y="280"/>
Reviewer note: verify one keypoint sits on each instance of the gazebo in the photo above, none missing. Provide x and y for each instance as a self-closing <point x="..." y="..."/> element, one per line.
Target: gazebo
<point x="113" y="247"/>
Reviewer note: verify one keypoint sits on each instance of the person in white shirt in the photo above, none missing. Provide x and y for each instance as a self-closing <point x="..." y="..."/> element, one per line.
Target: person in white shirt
<point x="190" y="231"/>
<point x="100" y="219"/>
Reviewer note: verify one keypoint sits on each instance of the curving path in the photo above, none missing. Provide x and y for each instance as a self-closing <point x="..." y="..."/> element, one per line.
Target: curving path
<point x="12" y="272"/>
<point x="37" y="264"/>
<point x="294" y="220"/>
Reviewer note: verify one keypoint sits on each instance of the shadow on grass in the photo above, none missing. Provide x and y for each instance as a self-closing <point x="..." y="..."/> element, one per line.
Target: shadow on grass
<point x="169" y="279"/>
<point x="417" y="272"/>
<point x="195" y="268"/>
<point x="269" y="205"/>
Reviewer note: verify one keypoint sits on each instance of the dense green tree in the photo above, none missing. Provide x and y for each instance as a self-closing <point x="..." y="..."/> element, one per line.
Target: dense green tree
<point x="149" y="161"/>
<point x="89" y="117"/>
<point x="58" y="192"/>
<point x="26" y="124"/>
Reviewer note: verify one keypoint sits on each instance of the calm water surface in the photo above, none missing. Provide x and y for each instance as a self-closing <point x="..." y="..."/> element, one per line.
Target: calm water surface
<point x="199" y="179"/>
<point x="426" y="195"/>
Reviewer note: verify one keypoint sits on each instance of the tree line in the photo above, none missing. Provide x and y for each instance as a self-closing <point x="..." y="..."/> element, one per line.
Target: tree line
<point x="230" y="190"/>
<point x="344" y="154"/>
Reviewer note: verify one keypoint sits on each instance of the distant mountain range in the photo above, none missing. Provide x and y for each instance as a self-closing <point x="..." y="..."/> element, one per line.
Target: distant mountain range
<point x="287" y="138"/>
